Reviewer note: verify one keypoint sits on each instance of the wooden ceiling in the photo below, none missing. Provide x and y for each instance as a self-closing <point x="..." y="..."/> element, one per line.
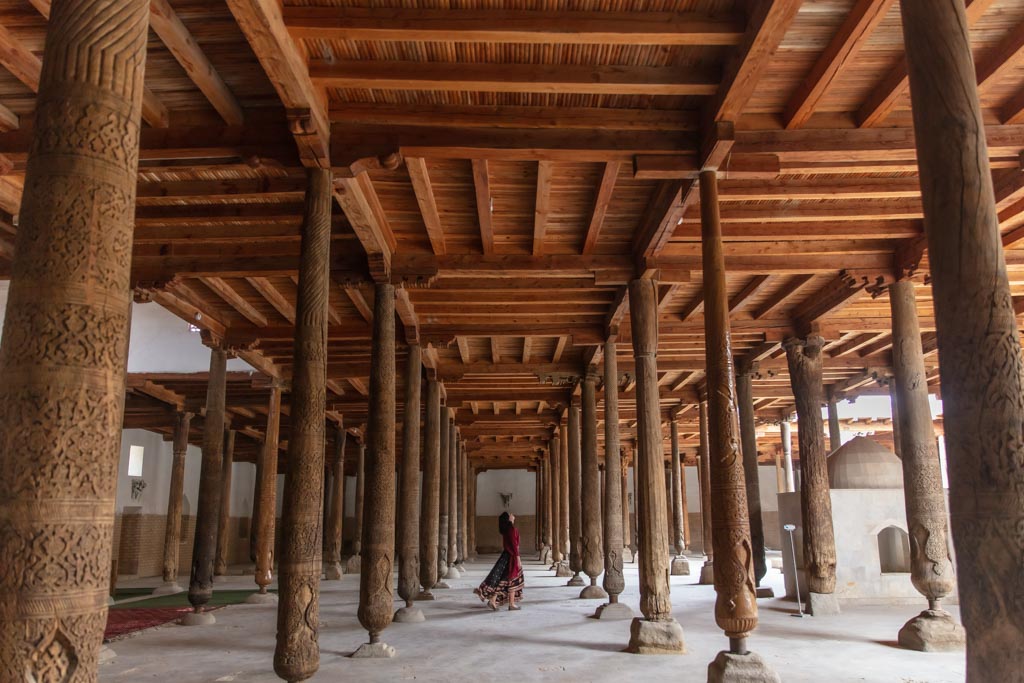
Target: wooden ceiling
<point x="513" y="165"/>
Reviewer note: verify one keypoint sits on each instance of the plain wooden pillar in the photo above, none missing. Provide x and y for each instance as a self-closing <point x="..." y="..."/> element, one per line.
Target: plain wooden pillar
<point x="431" y="494"/>
<point x="556" y="499"/>
<point x="336" y="516"/>
<point x="266" y="490"/>
<point x="409" y="490"/>
<point x="175" y="496"/>
<point x="575" y="499"/>
<point x="442" y="534"/>
<point x="785" y="434"/>
<point x="220" y="566"/>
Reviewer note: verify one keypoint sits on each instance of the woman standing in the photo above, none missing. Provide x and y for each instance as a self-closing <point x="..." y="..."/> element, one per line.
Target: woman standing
<point x="505" y="581"/>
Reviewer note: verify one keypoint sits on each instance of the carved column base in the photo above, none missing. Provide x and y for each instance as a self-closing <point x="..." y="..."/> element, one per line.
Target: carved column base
<point x="545" y="555"/>
<point x="707" y="574"/>
<point x="442" y="569"/>
<point x="453" y="573"/>
<point x="424" y="595"/>
<point x="576" y="580"/>
<point x="627" y="555"/>
<point x="198" y="619"/>
<point x="262" y="599"/>
<point x="562" y="570"/>
<point x="353" y="565"/>
<point x="733" y="668"/>
<point x="333" y="571"/>
<point x="107" y="655"/>
<point x="614" y="611"/>
<point x="409" y="615"/>
<point x="593" y="592"/>
<point x="374" y="651"/>
<point x="932" y="631"/>
<point x="822" y="604"/>
<point x="656" y="637"/>
<point x="765" y="592"/>
<point x="441" y="585"/>
<point x="168" y="588"/>
<point x="680" y="566"/>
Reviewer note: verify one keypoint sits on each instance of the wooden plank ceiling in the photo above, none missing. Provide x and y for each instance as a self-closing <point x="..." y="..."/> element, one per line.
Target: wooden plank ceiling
<point x="512" y="169"/>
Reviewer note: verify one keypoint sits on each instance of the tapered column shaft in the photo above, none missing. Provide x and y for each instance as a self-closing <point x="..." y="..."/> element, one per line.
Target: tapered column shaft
<point x="575" y="494"/>
<point x="224" y="518"/>
<point x="736" y="603"/>
<point x="614" y="581"/>
<point x="930" y="568"/>
<point x="556" y="498"/>
<point x="677" y="490"/>
<point x="787" y="455"/>
<point x="204" y="546"/>
<point x="590" y="482"/>
<point x="462" y="503"/>
<point x="815" y="501"/>
<point x="409" y="503"/>
<point x="65" y="341"/>
<point x="442" y="539"/>
<point x="655" y="603"/>
<point x="472" y="511"/>
<point x="704" y="472"/>
<point x="430" y="499"/>
<point x="375" y="583"/>
<point x="748" y="435"/>
<point x="979" y="346"/>
<point x="687" y="539"/>
<point x="835" y="439"/>
<point x="297" y="656"/>
<point x="267" y="492"/>
<point x="172" y="532"/>
<point x="336" y="518"/>
<point x="453" y="489"/>
<point x="563" y="469"/>
<point x="547" y="479"/>
<point x="627" y="527"/>
<point x="357" y="538"/>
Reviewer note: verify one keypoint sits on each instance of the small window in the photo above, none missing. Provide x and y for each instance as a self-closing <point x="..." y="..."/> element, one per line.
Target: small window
<point x="135" y="454"/>
<point x="894" y="550"/>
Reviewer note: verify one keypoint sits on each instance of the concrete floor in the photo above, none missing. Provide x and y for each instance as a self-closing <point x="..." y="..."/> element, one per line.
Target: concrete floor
<point x="551" y="639"/>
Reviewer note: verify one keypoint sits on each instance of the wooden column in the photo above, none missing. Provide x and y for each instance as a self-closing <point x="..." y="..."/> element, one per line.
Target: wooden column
<point x="657" y="632"/>
<point x="895" y="410"/>
<point x="336" y="518"/>
<point x="442" y="535"/>
<point x="575" y="494"/>
<point x="297" y="656"/>
<point x="614" y="582"/>
<point x="546" y="478"/>
<point x="592" y="559"/>
<point x="563" y="506"/>
<point x="376" y="594"/>
<point x="627" y="525"/>
<point x="409" y="489"/>
<point x="751" y="474"/>
<point x="804" y="357"/>
<point x="556" y="501"/>
<point x="472" y="511"/>
<point x="266" y="490"/>
<point x="707" y="572"/>
<point x="736" y="603"/>
<point x="835" y="434"/>
<point x="175" y="495"/>
<point x="220" y="566"/>
<point x="65" y="342"/>
<point x="675" y="485"/>
<point x="355" y="562"/>
<point x="430" y="499"/>
<point x="204" y="546"/>
<point x="787" y="455"/>
<point x="453" y="497"/>
<point x="687" y="539"/>
<point x="463" y="506"/>
<point x="931" y="570"/>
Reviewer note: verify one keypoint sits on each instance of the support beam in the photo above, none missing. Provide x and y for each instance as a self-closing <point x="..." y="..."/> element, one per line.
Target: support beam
<point x="430" y="497"/>
<point x="484" y="204"/>
<point x="601" y="203"/>
<point x="424" y="189"/>
<point x="409" y="502"/>
<point x="542" y="205"/>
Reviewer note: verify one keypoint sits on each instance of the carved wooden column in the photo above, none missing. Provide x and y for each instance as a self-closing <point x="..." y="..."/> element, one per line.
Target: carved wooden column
<point x="707" y="571"/>
<point x="204" y="547"/>
<point x="354" y="565"/>
<point x="266" y="491"/>
<point x="835" y="434"/>
<point x="471" y="514"/>
<point x="931" y="570"/>
<point x="336" y="518"/>
<point x="627" y="523"/>
<point x="544" y="474"/>
<point x="687" y="538"/>
<point x="297" y="656"/>
<point x="220" y="566"/>
<point x="563" y="506"/>
<point x="430" y="499"/>
<point x="804" y="358"/>
<point x="172" y="530"/>
<point x="751" y="474"/>
<point x="895" y="409"/>
<point x="787" y="455"/>
<point x="736" y="601"/>
<point x="979" y="346"/>
<point x="575" y="498"/>
<point x="614" y="581"/>
<point x="591" y="558"/>
<point x="656" y="632"/>
<point x="376" y="594"/>
<point x="462" y="506"/>
<point x="453" y="498"/>
<point x="556" y="500"/>
<point x="680" y="565"/>
<point x="409" y="503"/>
<point x="442" y="534"/>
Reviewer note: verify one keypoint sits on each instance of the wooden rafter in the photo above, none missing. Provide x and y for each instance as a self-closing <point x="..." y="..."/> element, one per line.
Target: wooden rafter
<point x="274" y="297"/>
<point x="235" y="300"/>
<point x="542" y="205"/>
<point x="601" y="202"/>
<point x="358" y="199"/>
<point x="755" y="285"/>
<point x="484" y="204"/>
<point x="420" y="178"/>
<point x="787" y="290"/>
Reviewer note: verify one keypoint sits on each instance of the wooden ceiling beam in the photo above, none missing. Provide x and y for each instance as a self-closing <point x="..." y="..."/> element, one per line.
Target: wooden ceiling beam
<point x="484" y="204"/>
<point x="407" y="314"/>
<point x="1002" y="59"/>
<point x="358" y="300"/>
<point x="527" y="348"/>
<point x="601" y="202"/>
<point x="424" y="190"/>
<point x="755" y="285"/>
<point x="274" y="297"/>
<point x="358" y="199"/>
<point x="542" y="205"/>
<point x="235" y="300"/>
<point x="784" y="292"/>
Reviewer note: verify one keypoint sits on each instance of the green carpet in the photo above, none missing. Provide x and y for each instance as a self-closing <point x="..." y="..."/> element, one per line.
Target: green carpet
<point x="122" y="593"/>
<point x="222" y="597"/>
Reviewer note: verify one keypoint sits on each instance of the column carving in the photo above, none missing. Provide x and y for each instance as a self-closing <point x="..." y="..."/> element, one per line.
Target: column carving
<point x="220" y="566"/>
<point x="575" y="500"/>
<point x="430" y="499"/>
<point x="336" y="518"/>
<point x="409" y="502"/>
<point x="592" y="559"/>
<point x="172" y="531"/>
<point x="748" y="436"/>
<point x="266" y="491"/>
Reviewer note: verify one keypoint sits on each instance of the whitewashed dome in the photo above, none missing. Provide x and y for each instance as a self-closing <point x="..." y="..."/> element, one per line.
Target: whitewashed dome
<point x="862" y="463"/>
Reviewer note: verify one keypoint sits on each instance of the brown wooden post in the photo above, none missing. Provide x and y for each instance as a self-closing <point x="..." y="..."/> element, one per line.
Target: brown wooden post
<point x="575" y="500"/>
<point x="687" y="539"/>
<point x="736" y="602"/>
<point x="204" y="547"/>
<point x="220" y="566"/>
<point x="592" y="560"/>
<point x="266" y="490"/>
<point x="442" y="534"/>
<point x="835" y="434"/>
<point x="786" y="437"/>
<point x="172" y="530"/>
<point x="430" y="499"/>
<point x="65" y="342"/>
<point x="453" y="497"/>
<point x="376" y="594"/>
<point x="656" y="632"/>
<point x="463" y="506"/>
<point x="680" y="565"/>
<point x="707" y="571"/>
<point x="931" y="570"/>
<point x="556" y="500"/>
<point x="627" y="523"/>
<point x="545" y="477"/>
<point x="895" y="410"/>
<point x="354" y="564"/>
<point x="563" y="507"/>
<point x="297" y="656"/>
<point x="336" y="519"/>
<point x="804" y="358"/>
<point x="751" y="472"/>
<point x="471" y="550"/>
<point x="409" y="502"/>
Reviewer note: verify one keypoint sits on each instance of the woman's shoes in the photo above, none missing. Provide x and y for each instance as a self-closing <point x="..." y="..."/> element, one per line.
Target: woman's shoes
<point x="514" y="608"/>
<point x="494" y="608"/>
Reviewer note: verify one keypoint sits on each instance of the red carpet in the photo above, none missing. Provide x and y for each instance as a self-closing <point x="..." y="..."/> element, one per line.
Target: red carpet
<point x="121" y="622"/>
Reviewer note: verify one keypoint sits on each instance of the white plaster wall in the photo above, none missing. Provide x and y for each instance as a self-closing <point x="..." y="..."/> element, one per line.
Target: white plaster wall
<point x="519" y="482"/>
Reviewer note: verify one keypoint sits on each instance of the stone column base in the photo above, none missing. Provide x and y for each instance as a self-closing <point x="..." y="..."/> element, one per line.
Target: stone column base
<point x="262" y="599"/>
<point x="545" y="555"/>
<point x="353" y="564"/>
<point x="593" y="592"/>
<point x="627" y="555"/>
<point x="822" y="604"/>
<point x="441" y="585"/>
<point x="563" y="570"/>
<point x="106" y="655"/>
<point x="374" y="651"/>
<point x="932" y="631"/>
<point x="613" y="611"/>
<point x="680" y="566"/>
<point x="576" y="580"/>
<point x="332" y="571"/>
<point x="765" y="592"/>
<point x="424" y="595"/>
<point x="198" y="619"/>
<point x="453" y="573"/>
<point x="168" y="588"/>
<point x="656" y="637"/>
<point x="707" y="574"/>
<point x="748" y="668"/>
<point x="409" y="615"/>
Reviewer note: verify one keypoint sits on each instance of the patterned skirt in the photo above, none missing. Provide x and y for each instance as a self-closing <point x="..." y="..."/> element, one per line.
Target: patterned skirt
<point x="497" y="583"/>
